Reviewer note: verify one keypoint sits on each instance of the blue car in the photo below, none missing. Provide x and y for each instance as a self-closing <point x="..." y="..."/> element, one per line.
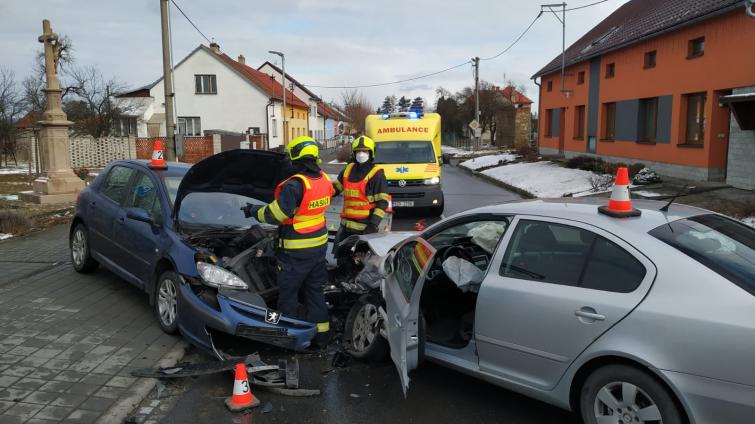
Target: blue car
<point x="179" y="234"/>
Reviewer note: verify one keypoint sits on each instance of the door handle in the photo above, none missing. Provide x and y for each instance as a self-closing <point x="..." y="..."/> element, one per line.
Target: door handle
<point x="93" y="205"/>
<point x="397" y="319"/>
<point x="122" y="220"/>
<point x="589" y="313"/>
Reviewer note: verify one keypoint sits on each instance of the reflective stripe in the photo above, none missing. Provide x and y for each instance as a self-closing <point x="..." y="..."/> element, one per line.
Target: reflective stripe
<point x="378" y="212"/>
<point x="382" y="196"/>
<point x="305" y="243"/>
<point x="277" y="212"/>
<point x="314" y="221"/>
<point x="323" y="327"/>
<point x="355" y="213"/>
<point x="338" y="186"/>
<point x="351" y="193"/>
<point x="356" y="203"/>
<point x="353" y="225"/>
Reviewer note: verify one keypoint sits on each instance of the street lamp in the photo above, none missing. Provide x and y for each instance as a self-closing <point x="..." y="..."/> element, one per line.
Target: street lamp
<point x="283" y="85"/>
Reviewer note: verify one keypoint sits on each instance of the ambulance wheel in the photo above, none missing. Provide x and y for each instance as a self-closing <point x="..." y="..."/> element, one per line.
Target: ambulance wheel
<point x="362" y="338"/>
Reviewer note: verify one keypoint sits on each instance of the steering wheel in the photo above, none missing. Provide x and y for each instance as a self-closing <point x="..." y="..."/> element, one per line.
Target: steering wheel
<point x="459" y="252"/>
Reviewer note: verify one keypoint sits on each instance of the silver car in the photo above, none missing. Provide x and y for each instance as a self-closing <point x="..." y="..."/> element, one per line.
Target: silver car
<point x="647" y="319"/>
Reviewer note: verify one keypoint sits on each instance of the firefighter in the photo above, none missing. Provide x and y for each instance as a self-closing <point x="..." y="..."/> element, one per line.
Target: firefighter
<point x="298" y="209"/>
<point x="364" y="191"/>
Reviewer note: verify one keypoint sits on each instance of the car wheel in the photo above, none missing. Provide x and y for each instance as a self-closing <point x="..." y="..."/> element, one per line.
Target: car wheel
<point x="362" y="337"/>
<point x="622" y="394"/>
<point x="166" y="302"/>
<point x="79" y="245"/>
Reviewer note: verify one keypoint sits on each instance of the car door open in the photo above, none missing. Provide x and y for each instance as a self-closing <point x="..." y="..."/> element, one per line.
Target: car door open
<point x="403" y="287"/>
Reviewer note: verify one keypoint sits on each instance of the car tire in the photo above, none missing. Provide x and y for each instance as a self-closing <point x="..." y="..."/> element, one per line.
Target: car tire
<point x="603" y="395"/>
<point x="362" y="338"/>
<point x="166" y="302"/>
<point x="78" y="244"/>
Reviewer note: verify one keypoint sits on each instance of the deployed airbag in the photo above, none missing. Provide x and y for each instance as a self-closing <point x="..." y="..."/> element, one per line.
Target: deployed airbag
<point x="463" y="273"/>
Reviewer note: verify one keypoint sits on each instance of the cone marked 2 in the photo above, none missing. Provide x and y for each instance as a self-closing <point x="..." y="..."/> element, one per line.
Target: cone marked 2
<point x="620" y="205"/>
<point x="242" y="397"/>
<point x="158" y="158"/>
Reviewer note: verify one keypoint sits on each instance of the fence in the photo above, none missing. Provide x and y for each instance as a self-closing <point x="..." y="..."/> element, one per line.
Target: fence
<point x="88" y="152"/>
<point x="195" y="148"/>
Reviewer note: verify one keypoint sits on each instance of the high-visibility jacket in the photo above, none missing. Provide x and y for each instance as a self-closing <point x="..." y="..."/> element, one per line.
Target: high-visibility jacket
<point x="308" y="222"/>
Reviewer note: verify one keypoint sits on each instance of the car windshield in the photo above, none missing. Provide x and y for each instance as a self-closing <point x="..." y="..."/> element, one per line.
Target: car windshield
<point x="215" y="209"/>
<point x="404" y="152"/>
<point x="723" y="245"/>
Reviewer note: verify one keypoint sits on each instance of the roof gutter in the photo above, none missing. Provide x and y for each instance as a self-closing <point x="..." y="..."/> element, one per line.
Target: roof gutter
<point x="701" y="18"/>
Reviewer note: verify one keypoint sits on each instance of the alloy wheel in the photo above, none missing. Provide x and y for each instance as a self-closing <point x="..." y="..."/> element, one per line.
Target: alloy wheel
<point x="166" y="302"/>
<point x="78" y="247"/>
<point x="620" y="402"/>
<point x="366" y="327"/>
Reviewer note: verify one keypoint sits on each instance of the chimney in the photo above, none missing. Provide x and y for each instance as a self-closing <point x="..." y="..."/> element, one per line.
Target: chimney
<point x="242" y="59"/>
<point x="215" y="47"/>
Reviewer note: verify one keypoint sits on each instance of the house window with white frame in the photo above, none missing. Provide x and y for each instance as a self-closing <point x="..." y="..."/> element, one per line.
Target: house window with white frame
<point x="205" y="84"/>
<point x="189" y="126"/>
<point x="125" y="126"/>
<point x="274" y="127"/>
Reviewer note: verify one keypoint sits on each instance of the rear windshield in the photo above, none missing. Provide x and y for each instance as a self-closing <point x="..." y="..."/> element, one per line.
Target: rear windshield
<point x="723" y="245"/>
<point x="404" y="152"/>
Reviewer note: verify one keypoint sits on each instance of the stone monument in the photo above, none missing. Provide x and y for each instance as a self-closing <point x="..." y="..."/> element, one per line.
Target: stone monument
<point x="59" y="183"/>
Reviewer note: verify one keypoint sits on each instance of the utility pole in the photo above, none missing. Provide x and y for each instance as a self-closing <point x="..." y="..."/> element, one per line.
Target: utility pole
<point x="170" y="129"/>
<point x="283" y="85"/>
<point x="562" y="19"/>
<point x="476" y="64"/>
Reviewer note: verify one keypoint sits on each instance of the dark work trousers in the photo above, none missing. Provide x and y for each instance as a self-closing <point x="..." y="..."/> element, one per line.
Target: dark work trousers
<point x="304" y="275"/>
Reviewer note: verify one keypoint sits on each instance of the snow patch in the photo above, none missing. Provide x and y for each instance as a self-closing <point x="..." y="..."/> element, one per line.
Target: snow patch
<point x="22" y="168"/>
<point x="750" y="220"/>
<point x="488" y="161"/>
<point x="8" y="197"/>
<point x="543" y="179"/>
<point x="336" y="162"/>
<point x="4" y="236"/>
<point x="647" y="193"/>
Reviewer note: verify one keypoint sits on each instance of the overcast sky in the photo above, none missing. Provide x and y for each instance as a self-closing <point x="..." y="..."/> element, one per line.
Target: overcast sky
<point x="327" y="42"/>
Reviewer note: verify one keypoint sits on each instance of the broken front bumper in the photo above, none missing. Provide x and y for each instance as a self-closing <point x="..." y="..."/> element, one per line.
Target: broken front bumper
<point x="241" y="314"/>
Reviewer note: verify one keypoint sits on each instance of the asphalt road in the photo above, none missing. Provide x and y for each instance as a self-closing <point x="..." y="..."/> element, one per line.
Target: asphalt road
<point x="362" y="392"/>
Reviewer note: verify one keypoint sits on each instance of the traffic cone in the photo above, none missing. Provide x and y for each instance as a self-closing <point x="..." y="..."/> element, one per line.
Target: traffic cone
<point x="390" y="204"/>
<point x="158" y="156"/>
<point x="242" y="397"/>
<point x="420" y="225"/>
<point x="620" y="205"/>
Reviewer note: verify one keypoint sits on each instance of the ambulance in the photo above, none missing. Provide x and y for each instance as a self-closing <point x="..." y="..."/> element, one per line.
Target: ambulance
<point x="407" y="148"/>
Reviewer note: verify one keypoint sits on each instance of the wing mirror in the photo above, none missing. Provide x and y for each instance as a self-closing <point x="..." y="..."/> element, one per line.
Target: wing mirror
<point x="386" y="265"/>
<point x="138" y="214"/>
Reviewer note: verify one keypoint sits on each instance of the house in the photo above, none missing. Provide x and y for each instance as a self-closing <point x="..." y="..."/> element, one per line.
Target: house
<point x="522" y="126"/>
<point x="215" y="93"/>
<point x="319" y="112"/>
<point x="649" y="84"/>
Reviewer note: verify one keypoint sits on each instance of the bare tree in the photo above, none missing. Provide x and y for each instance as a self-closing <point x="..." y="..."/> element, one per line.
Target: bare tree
<point x="11" y="108"/>
<point x="91" y="106"/>
<point x="356" y="107"/>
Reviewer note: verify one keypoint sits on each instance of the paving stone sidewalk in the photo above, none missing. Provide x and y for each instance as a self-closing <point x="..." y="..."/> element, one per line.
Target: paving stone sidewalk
<point x="68" y="341"/>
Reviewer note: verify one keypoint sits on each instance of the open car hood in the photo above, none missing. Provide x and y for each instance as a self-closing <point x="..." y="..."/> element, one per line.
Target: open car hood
<point x="250" y="173"/>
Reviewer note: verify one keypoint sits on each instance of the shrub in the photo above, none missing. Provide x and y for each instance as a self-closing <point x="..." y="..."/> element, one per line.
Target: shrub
<point x="528" y="153"/>
<point x="82" y="173"/>
<point x="601" y="182"/>
<point x="12" y="222"/>
<point x="635" y="169"/>
<point x="586" y="163"/>
<point x="344" y="153"/>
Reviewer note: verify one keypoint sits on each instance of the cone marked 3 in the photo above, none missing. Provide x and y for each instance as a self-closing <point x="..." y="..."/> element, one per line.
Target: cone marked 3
<point x="242" y="397"/>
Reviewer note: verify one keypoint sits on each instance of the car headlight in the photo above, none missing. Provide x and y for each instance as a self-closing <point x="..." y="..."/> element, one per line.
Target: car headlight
<point x="432" y="181"/>
<point x="216" y="276"/>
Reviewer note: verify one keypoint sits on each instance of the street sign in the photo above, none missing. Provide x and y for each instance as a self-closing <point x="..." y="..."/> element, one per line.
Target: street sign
<point x="478" y="132"/>
<point x="474" y="125"/>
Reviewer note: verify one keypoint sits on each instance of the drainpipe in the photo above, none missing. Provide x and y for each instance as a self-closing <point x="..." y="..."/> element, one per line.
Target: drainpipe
<point x="267" y="123"/>
<point x="539" y="90"/>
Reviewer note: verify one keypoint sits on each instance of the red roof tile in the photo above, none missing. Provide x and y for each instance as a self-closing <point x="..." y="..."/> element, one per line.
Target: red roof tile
<point x="517" y="97"/>
<point x="262" y="80"/>
<point x="327" y="111"/>
<point x="29" y="120"/>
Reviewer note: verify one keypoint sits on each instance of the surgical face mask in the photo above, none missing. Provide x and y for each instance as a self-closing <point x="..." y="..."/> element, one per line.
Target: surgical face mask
<point x="362" y="157"/>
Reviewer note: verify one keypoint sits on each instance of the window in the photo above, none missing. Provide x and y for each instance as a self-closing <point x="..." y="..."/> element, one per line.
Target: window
<point x="649" y="119"/>
<point x="566" y="255"/>
<point x="274" y="125"/>
<point x="550" y="85"/>
<point x="725" y="246"/>
<point x="610" y="118"/>
<point x="408" y="265"/>
<point x="610" y="70"/>
<point x="114" y="186"/>
<point x="696" y="48"/>
<point x="650" y="59"/>
<point x="695" y="118"/>
<point x="400" y="152"/>
<point x="205" y="84"/>
<point x="189" y="126"/>
<point x="548" y="122"/>
<point x="581" y="77"/>
<point x="313" y="109"/>
<point x="144" y="196"/>
<point x="579" y="122"/>
<point x="125" y="126"/>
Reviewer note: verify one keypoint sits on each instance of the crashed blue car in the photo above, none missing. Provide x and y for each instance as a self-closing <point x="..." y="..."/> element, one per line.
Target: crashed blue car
<point x="179" y="234"/>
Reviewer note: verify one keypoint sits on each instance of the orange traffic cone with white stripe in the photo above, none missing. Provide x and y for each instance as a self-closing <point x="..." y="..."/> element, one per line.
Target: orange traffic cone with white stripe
<point x="242" y="397"/>
<point x="620" y="205"/>
<point x="158" y="156"/>
<point x="390" y="204"/>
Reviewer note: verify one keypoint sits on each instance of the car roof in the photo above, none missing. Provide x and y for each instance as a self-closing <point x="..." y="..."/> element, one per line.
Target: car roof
<point x="586" y="210"/>
<point x="175" y="169"/>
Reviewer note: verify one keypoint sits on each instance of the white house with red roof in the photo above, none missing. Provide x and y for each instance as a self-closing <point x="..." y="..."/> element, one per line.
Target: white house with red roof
<point x="215" y="93"/>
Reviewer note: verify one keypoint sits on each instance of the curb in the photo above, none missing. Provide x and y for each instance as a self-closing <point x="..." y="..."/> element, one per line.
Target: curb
<point x="524" y="193"/>
<point x="139" y="390"/>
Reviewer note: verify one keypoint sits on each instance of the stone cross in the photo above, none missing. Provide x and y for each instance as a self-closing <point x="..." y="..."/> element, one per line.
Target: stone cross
<point x="50" y="39"/>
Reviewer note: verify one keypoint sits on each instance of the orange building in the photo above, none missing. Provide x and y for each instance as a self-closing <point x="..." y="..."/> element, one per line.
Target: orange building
<point x="646" y="85"/>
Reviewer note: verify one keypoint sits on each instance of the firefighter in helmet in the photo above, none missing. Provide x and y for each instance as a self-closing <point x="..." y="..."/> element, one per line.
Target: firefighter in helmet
<point x="299" y="211"/>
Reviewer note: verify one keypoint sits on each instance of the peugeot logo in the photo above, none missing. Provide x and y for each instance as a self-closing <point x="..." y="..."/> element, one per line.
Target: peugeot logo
<point x="402" y="183"/>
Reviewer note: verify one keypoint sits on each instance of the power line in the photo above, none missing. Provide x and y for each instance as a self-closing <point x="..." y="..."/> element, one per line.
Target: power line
<point x="515" y="41"/>
<point x="586" y="5"/>
<point x="187" y="18"/>
<point x="393" y="82"/>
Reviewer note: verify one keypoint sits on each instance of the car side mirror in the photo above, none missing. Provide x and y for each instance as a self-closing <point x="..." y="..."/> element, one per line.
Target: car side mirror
<point x="138" y="214"/>
<point x="386" y="265"/>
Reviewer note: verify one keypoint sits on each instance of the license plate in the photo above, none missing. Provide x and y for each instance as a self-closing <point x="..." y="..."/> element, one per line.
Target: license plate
<point x="403" y="203"/>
